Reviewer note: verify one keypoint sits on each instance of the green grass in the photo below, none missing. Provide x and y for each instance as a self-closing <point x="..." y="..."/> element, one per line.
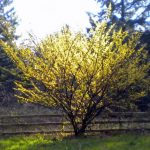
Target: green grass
<point x="39" y="142"/>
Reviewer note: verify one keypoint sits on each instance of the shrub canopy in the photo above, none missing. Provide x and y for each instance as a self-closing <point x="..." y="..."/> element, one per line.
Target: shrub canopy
<point x="83" y="75"/>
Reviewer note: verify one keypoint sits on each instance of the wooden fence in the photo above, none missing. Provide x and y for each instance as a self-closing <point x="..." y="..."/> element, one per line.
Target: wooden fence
<point x="56" y="123"/>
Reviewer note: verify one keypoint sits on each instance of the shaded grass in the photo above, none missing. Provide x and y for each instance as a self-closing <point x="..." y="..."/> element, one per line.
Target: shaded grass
<point x="40" y="142"/>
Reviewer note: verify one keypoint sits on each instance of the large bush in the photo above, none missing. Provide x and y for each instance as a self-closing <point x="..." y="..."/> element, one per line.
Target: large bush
<point x="83" y="75"/>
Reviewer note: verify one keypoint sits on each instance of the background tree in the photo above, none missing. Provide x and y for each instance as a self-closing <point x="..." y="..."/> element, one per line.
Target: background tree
<point x="8" y="24"/>
<point x="80" y="75"/>
<point x="128" y="14"/>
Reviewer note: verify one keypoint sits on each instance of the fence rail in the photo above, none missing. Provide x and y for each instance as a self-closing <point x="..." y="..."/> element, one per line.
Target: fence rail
<point x="57" y="123"/>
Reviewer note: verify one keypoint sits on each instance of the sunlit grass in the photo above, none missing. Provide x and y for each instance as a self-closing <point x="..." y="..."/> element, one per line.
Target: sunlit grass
<point x="40" y="142"/>
<point x="23" y="142"/>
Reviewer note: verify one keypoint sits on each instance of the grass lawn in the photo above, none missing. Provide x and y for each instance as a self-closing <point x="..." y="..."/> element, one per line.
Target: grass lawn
<point x="39" y="142"/>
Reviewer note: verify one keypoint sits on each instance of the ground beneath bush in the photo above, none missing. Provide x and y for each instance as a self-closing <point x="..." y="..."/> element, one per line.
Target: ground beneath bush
<point x="40" y="142"/>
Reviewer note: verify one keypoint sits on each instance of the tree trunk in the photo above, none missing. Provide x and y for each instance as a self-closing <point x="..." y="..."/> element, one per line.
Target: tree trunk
<point x="80" y="131"/>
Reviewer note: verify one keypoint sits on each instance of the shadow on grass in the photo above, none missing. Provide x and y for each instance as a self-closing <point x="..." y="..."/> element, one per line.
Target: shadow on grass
<point x="119" y="142"/>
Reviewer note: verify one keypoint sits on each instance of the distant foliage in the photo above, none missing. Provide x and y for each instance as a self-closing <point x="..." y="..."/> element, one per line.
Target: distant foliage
<point x="84" y="76"/>
<point x="8" y="22"/>
<point x="128" y="14"/>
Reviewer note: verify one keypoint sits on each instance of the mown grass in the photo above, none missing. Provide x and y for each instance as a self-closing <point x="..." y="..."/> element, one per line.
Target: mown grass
<point x="40" y="142"/>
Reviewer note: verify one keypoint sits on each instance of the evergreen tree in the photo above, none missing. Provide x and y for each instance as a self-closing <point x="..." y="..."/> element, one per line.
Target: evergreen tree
<point x="129" y="14"/>
<point x="8" y="22"/>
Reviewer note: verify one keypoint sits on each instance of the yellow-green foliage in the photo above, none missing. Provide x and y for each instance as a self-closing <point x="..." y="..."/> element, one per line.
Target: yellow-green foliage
<point x="79" y="72"/>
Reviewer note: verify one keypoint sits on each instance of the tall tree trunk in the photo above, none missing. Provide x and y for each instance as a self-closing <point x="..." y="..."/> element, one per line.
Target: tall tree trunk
<point x="122" y="11"/>
<point x="123" y="15"/>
